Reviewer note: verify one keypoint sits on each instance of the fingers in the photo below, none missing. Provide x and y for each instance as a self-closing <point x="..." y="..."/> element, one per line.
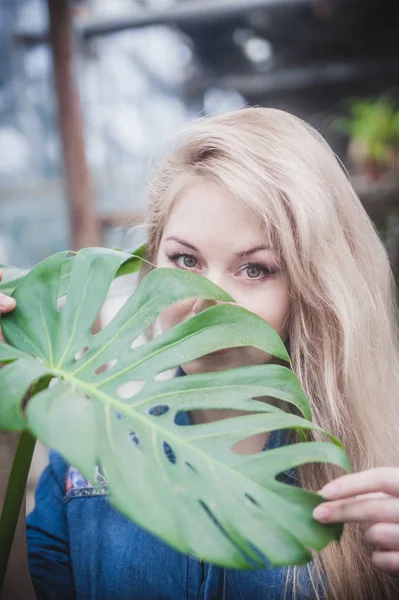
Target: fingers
<point x="374" y="510"/>
<point x="384" y="536"/>
<point x="370" y="498"/>
<point x="383" y="479"/>
<point x="386" y="561"/>
<point x="6" y="303"/>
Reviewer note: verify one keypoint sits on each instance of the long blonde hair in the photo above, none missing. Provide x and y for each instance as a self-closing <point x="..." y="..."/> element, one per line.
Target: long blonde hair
<point x="342" y="326"/>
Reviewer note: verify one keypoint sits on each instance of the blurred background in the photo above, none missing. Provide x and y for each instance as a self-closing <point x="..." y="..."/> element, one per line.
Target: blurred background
<point x="92" y="93"/>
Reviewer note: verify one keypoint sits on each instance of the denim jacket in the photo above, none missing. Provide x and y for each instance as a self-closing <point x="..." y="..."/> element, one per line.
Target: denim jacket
<point x="80" y="547"/>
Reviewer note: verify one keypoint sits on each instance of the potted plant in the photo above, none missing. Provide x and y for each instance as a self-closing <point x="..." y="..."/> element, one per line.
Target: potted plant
<point x="373" y="129"/>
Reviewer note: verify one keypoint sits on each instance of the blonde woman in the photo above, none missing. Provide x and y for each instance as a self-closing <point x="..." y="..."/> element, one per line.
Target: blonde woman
<point x="256" y="201"/>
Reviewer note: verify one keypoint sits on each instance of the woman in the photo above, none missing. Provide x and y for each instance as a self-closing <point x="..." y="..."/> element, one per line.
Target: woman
<point x="255" y="201"/>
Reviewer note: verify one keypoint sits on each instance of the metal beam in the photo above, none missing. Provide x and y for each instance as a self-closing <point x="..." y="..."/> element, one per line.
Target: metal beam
<point x="192" y="12"/>
<point x="283" y="79"/>
<point x="186" y="13"/>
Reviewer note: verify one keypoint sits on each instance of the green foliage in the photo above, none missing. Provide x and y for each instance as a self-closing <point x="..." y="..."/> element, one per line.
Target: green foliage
<point x="11" y="278"/>
<point x="183" y="483"/>
<point x="375" y="123"/>
<point x="13" y="275"/>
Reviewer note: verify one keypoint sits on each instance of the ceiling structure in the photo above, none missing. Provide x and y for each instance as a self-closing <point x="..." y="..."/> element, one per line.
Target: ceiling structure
<point x="273" y="47"/>
<point x="301" y="55"/>
<point x="287" y="46"/>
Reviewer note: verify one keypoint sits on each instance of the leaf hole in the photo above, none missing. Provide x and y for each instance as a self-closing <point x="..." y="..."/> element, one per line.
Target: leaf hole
<point x="169" y="374"/>
<point x="98" y="322"/>
<point x="252" y="499"/>
<point x="261" y="556"/>
<point x="61" y="302"/>
<point x="134" y="437"/>
<point x="97" y="326"/>
<point x="158" y="411"/>
<point x="191" y="467"/>
<point x="212" y="516"/>
<point x="81" y="352"/>
<point x="54" y="381"/>
<point x="254" y="444"/>
<point x="216" y="522"/>
<point x="169" y="453"/>
<point x="129" y="389"/>
<point x="106" y="366"/>
<point x="182" y="419"/>
<point x="138" y="341"/>
<point x="248" y="558"/>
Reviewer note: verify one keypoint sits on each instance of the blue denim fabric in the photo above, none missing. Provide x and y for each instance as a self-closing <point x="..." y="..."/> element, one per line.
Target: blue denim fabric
<point x="80" y="547"/>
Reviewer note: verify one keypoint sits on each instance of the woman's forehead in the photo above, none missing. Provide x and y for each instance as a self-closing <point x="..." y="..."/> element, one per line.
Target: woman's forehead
<point x="230" y="246"/>
<point x="209" y="203"/>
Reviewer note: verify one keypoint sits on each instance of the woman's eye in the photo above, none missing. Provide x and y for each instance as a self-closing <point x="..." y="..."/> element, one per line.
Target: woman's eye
<point x="256" y="271"/>
<point x="188" y="261"/>
<point x="184" y="261"/>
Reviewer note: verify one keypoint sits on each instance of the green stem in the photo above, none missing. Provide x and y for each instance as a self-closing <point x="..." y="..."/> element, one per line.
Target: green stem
<point x="14" y="498"/>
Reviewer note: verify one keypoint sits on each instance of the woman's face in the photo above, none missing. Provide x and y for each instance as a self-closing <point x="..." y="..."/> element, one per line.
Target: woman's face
<point x="210" y="233"/>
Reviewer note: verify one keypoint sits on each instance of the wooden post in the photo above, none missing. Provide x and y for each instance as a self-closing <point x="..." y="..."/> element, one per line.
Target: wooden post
<point x="85" y="226"/>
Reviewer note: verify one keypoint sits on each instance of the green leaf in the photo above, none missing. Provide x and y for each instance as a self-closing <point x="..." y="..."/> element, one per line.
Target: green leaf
<point x="133" y="264"/>
<point x="11" y="278"/>
<point x="13" y="275"/>
<point x="183" y="483"/>
<point x="17" y="378"/>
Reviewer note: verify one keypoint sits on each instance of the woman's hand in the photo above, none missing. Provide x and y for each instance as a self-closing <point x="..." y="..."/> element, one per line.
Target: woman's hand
<point x="370" y="498"/>
<point x="7" y="304"/>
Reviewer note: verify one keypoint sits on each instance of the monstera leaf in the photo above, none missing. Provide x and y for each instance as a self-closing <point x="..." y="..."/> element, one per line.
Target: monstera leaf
<point x="183" y="483"/>
<point x="12" y="276"/>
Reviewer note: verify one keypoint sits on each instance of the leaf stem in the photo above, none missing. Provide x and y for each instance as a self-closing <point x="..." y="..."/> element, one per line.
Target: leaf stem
<point x="14" y="497"/>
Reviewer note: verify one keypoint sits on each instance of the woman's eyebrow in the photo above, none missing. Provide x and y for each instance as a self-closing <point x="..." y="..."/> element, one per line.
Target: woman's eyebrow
<point x="239" y="254"/>
<point x="175" y="239"/>
<point x="252" y="251"/>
